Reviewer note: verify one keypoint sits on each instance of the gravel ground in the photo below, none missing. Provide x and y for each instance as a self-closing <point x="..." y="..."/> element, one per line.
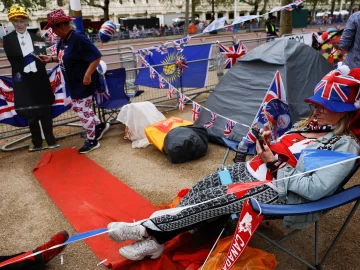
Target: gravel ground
<point x="29" y="217"/>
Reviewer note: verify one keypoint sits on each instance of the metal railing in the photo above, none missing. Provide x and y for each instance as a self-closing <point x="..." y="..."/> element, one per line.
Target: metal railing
<point x="125" y="58"/>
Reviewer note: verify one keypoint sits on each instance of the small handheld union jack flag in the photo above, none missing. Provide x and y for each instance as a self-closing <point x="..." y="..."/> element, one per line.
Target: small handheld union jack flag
<point x="162" y="82"/>
<point x="53" y="50"/>
<point x="181" y="43"/>
<point x="182" y="102"/>
<point x="181" y="64"/>
<point x="152" y="73"/>
<point x="211" y="122"/>
<point x="195" y="111"/>
<point x="229" y="127"/>
<point x="170" y="92"/>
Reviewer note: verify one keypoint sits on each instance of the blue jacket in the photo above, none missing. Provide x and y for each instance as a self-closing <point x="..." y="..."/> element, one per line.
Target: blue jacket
<point x="316" y="185"/>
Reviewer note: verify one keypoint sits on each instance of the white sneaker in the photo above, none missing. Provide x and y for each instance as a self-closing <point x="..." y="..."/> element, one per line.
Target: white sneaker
<point x="126" y="231"/>
<point x="139" y="250"/>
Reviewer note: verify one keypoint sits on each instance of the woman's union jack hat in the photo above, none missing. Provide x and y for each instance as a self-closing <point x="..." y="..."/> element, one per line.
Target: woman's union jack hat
<point x="57" y="16"/>
<point x="338" y="91"/>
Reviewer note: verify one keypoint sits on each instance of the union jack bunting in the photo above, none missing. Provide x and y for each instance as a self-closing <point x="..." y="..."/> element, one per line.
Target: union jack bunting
<point x="143" y="52"/>
<point x="250" y="137"/>
<point x="211" y="122"/>
<point x="162" y="82"/>
<point x="152" y="73"/>
<point x="336" y="86"/>
<point x="288" y="7"/>
<point x="243" y="19"/>
<point x="232" y="53"/>
<point x="229" y="128"/>
<point x="162" y="48"/>
<point x="195" y="111"/>
<point x="170" y="91"/>
<point x="182" y="101"/>
<point x="144" y="62"/>
<point x="181" y="43"/>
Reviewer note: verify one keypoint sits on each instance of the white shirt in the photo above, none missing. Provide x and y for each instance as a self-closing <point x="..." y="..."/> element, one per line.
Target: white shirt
<point x="26" y="49"/>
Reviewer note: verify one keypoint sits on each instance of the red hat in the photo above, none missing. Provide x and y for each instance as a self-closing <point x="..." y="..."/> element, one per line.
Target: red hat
<point x="57" y="16"/>
<point x="338" y="91"/>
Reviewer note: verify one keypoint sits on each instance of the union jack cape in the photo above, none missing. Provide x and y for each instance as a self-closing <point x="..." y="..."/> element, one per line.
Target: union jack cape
<point x="232" y="53"/>
<point x="211" y="121"/>
<point x="195" y="111"/>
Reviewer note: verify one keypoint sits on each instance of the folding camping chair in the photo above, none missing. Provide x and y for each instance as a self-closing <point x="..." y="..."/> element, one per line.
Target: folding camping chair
<point x="109" y="109"/>
<point x="273" y="211"/>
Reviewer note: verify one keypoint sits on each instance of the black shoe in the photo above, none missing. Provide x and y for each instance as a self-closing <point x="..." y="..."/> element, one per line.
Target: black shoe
<point x="33" y="148"/>
<point x="88" y="146"/>
<point x="100" y="130"/>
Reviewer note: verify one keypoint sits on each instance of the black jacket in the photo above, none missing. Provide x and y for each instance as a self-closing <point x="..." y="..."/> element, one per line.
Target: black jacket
<point x="31" y="89"/>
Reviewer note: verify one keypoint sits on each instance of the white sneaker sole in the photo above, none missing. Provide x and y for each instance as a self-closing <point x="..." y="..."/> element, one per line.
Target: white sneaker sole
<point x="95" y="147"/>
<point x="107" y="126"/>
<point x="152" y="256"/>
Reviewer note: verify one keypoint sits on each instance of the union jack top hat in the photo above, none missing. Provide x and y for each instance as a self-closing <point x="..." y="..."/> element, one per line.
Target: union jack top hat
<point x="57" y="16"/>
<point x="338" y="91"/>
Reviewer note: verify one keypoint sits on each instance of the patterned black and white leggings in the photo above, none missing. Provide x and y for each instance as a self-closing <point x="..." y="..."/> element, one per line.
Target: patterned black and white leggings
<point x="166" y="227"/>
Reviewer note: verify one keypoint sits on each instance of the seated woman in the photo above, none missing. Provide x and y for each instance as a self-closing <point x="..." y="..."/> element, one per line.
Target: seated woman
<point x="327" y="128"/>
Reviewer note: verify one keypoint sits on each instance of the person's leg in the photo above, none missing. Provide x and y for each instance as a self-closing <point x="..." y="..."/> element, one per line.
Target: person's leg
<point x="89" y="120"/>
<point x="47" y="125"/>
<point x="38" y="261"/>
<point x="35" y="131"/>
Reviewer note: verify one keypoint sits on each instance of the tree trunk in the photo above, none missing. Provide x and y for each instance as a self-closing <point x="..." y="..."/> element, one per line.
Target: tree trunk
<point x="263" y="10"/>
<point x="187" y="7"/>
<point x="256" y="6"/>
<point x="106" y="10"/>
<point x="314" y="10"/>
<point x="193" y="5"/>
<point x="332" y="7"/>
<point x="351" y="7"/>
<point x="285" y="19"/>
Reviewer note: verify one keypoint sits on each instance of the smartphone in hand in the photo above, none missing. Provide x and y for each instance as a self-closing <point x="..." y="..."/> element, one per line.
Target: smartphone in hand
<point x="37" y="57"/>
<point x="258" y="136"/>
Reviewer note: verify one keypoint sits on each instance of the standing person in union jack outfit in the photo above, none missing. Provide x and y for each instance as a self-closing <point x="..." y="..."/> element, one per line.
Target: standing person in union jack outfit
<point x="33" y="96"/>
<point x="78" y="58"/>
<point x="333" y="106"/>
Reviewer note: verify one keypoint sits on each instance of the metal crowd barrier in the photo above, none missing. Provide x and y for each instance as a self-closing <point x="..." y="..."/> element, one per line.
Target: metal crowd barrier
<point x="64" y="124"/>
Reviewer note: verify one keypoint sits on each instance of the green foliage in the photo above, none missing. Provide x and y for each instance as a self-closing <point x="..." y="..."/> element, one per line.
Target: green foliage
<point x="27" y="4"/>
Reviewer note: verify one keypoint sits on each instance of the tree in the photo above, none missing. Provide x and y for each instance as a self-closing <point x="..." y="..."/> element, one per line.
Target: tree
<point x="285" y="19"/>
<point x="254" y="3"/>
<point x="97" y="3"/>
<point x="27" y="4"/>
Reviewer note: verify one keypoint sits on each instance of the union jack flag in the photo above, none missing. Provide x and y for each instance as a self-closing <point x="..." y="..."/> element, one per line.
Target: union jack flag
<point x="162" y="48"/>
<point x="211" y="122"/>
<point x="229" y="128"/>
<point x="232" y="53"/>
<point x="181" y="43"/>
<point x="52" y="50"/>
<point x="170" y="92"/>
<point x="275" y="91"/>
<point x="182" y="101"/>
<point x="152" y="73"/>
<point x="336" y="86"/>
<point x="195" y="111"/>
<point x="162" y="82"/>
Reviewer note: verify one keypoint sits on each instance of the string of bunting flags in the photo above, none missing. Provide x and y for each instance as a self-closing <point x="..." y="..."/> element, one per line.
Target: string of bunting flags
<point x="232" y="53"/>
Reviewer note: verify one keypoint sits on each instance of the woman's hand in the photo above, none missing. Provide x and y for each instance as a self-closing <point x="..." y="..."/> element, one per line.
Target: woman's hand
<point x="87" y="79"/>
<point x="265" y="154"/>
<point x="46" y="59"/>
<point x="266" y="136"/>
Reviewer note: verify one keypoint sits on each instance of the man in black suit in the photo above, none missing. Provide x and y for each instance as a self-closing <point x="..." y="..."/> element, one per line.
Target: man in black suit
<point x="33" y="96"/>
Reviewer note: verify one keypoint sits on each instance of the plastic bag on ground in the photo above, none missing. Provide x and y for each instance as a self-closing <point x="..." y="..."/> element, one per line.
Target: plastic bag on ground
<point x="136" y="117"/>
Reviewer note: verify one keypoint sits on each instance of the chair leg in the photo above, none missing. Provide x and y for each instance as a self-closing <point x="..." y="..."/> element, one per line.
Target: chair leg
<point x="343" y="227"/>
<point x="286" y="251"/>
<point x="316" y="242"/>
<point x="225" y="158"/>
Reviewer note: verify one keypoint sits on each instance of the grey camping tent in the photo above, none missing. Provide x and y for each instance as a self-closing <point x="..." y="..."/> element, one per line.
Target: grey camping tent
<point x="241" y="90"/>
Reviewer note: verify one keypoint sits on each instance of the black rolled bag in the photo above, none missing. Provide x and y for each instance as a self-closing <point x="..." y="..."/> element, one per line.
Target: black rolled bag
<point x="186" y="143"/>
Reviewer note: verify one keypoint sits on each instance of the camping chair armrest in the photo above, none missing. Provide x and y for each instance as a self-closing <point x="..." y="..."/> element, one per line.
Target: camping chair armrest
<point x="324" y="204"/>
